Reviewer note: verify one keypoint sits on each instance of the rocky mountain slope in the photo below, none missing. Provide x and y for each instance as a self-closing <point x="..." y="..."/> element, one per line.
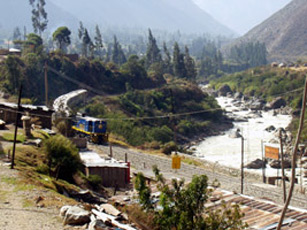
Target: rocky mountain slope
<point x="171" y="15"/>
<point x="284" y="33"/>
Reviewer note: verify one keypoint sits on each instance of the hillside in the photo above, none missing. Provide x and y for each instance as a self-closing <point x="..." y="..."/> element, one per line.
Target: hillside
<point x="284" y="33"/>
<point x="168" y="15"/>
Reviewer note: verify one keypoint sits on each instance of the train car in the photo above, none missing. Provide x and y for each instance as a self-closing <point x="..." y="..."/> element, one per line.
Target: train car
<point x="94" y="128"/>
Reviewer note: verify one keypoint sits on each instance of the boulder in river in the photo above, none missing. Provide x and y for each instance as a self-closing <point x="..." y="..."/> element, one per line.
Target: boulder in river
<point x="277" y="103"/>
<point x="256" y="164"/>
<point x="270" y="128"/>
<point x="276" y="164"/>
<point x="235" y="134"/>
<point x="238" y="95"/>
<point x="224" y="90"/>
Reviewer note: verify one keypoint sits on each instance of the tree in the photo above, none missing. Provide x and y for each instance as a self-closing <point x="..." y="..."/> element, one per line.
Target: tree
<point x="118" y="55"/>
<point x="12" y="74"/>
<point x="98" y="41"/>
<point x="81" y="30"/>
<point x="182" y="207"/>
<point x="39" y="16"/>
<point x="86" y="41"/>
<point x="189" y="63"/>
<point x="178" y="62"/>
<point x="17" y="34"/>
<point x="153" y="52"/>
<point x="167" y="62"/>
<point x="62" y="37"/>
<point x="62" y="157"/>
<point x="33" y="44"/>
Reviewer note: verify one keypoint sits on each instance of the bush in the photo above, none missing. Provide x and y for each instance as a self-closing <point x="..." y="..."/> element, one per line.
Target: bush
<point x="169" y="147"/>
<point x="62" y="157"/>
<point x="94" y="180"/>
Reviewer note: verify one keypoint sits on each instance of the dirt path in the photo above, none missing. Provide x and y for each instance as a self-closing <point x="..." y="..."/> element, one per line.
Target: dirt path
<point x="19" y="208"/>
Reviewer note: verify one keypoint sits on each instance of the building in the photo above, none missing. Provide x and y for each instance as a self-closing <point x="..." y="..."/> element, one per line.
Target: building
<point x="40" y="114"/>
<point x="113" y="173"/>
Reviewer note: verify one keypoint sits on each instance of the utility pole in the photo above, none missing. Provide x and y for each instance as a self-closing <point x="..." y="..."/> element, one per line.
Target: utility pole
<point x="282" y="166"/>
<point x="46" y="84"/>
<point x="298" y="135"/>
<point x="242" y="164"/>
<point x="16" y="126"/>
<point x="263" y="165"/>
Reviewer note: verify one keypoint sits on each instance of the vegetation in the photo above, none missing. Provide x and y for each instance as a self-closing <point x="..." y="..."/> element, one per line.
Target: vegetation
<point x="183" y="206"/>
<point x="62" y="157"/>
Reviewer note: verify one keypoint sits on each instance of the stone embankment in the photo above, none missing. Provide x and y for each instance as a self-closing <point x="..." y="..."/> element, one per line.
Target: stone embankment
<point x="144" y="162"/>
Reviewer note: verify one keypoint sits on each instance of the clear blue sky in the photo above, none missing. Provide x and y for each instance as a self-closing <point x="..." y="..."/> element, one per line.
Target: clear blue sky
<point x="241" y="15"/>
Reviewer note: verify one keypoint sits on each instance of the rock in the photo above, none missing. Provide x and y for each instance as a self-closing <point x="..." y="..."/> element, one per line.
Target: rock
<point x="277" y="103"/>
<point x="276" y="164"/>
<point x="76" y="216"/>
<point x="97" y="225"/>
<point x="257" y="105"/>
<point x="256" y="164"/>
<point x="64" y="209"/>
<point x="223" y="90"/>
<point x="238" y="95"/>
<point x="235" y="134"/>
<point x="296" y="113"/>
<point x="270" y="128"/>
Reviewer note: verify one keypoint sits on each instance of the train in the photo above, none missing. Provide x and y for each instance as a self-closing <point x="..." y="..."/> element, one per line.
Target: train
<point x="94" y="128"/>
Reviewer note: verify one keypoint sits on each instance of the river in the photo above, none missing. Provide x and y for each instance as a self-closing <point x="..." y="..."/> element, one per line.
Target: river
<point x="226" y="151"/>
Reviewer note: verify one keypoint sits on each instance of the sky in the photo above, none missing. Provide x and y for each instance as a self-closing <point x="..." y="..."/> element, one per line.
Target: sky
<point x="241" y="15"/>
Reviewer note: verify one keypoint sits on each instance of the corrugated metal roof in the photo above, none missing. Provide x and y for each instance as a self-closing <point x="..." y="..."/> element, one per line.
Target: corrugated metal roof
<point x="31" y="107"/>
<point x="92" y="159"/>
<point x="261" y="214"/>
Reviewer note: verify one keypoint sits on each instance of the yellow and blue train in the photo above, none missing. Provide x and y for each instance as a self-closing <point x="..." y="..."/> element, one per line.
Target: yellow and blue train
<point x="94" y="128"/>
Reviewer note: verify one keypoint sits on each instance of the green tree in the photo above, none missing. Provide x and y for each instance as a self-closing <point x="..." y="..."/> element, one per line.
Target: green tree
<point x="81" y="31"/>
<point x="183" y="206"/>
<point x="189" y="62"/>
<point x="143" y="191"/>
<point x="62" y="157"/>
<point x="12" y="73"/>
<point x="86" y="42"/>
<point x="62" y="37"/>
<point x="39" y="16"/>
<point x="98" y="41"/>
<point x="178" y="62"/>
<point x="118" y="55"/>
<point x="167" y="62"/>
<point x="17" y="34"/>
<point x="33" y="44"/>
<point x="153" y="52"/>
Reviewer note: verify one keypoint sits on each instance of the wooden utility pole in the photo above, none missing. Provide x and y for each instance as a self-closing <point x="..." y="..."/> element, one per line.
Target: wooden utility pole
<point x="16" y="126"/>
<point x="300" y="128"/>
<point x="263" y="165"/>
<point x="242" y="164"/>
<point x="282" y="166"/>
<point x="46" y="84"/>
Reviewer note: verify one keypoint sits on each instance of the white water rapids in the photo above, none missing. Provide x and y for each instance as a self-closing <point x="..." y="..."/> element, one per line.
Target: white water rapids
<point x="227" y="151"/>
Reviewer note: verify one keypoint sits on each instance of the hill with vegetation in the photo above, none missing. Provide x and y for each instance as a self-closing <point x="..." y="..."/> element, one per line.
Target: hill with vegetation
<point x="283" y="33"/>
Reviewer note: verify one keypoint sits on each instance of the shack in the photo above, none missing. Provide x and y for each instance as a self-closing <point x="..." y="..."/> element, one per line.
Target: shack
<point x="112" y="172"/>
<point x="40" y="114"/>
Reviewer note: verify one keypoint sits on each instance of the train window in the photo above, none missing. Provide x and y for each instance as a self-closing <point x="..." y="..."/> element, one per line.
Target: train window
<point x="90" y="126"/>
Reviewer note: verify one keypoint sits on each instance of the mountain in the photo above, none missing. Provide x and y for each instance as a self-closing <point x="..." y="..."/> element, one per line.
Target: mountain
<point x="231" y="12"/>
<point x="284" y="33"/>
<point x="171" y="15"/>
<point x="15" y="13"/>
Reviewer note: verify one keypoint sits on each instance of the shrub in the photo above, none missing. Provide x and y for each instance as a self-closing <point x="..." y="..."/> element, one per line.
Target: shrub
<point x="62" y="157"/>
<point x="94" y="180"/>
<point x="169" y="147"/>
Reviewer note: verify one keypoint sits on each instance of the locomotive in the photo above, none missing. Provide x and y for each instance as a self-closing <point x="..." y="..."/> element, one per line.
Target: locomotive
<point x="94" y="128"/>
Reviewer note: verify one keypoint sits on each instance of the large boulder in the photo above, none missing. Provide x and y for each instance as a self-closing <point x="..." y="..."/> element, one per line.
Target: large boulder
<point x="276" y="164"/>
<point x="277" y="103"/>
<point x="76" y="216"/>
<point x="270" y="128"/>
<point x="238" y="95"/>
<point x="256" y="164"/>
<point x="97" y="225"/>
<point x="224" y="90"/>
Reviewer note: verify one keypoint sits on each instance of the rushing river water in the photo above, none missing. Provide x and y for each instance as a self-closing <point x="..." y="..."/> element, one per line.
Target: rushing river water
<point x="226" y="151"/>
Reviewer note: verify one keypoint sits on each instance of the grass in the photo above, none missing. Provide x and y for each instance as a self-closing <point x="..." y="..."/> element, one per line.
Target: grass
<point x="10" y="137"/>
